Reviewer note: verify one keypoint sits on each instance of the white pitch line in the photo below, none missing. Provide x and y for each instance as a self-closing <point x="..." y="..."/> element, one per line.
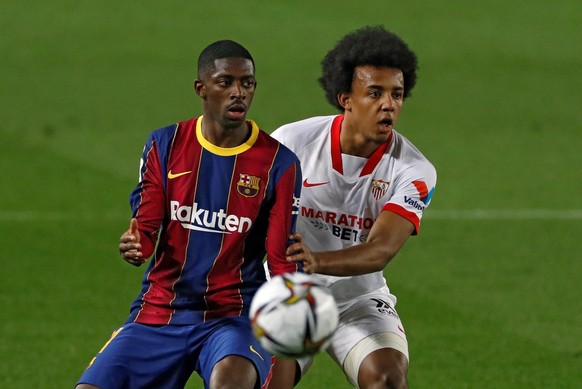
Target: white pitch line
<point x="434" y="214"/>
<point x="23" y="216"/>
<point x="504" y="214"/>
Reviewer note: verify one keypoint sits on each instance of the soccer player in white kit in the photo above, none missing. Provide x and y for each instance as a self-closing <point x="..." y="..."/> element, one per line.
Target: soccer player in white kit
<point x="364" y="192"/>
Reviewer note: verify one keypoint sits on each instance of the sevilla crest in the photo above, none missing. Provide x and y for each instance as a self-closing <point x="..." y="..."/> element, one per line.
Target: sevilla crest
<point x="379" y="188"/>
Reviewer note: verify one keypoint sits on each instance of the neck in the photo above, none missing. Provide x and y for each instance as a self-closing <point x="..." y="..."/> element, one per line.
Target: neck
<point x="353" y="142"/>
<point x="225" y="137"/>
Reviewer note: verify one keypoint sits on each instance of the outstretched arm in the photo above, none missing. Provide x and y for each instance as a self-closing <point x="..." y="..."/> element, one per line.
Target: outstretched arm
<point x="387" y="236"/>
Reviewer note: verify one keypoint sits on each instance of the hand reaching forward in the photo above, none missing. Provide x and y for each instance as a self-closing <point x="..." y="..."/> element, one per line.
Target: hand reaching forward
<point x="129" y="246"/>
<point x="298" y="252"/>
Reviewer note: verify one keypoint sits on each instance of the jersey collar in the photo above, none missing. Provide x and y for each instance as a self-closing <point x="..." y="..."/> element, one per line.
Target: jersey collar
<point x="336" y="152"/>
<point x="227" y="151"/>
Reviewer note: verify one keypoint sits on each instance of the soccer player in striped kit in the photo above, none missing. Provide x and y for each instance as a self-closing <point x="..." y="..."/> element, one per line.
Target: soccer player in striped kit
<point x="364" y="192"/>
<point x="215" y="195"/>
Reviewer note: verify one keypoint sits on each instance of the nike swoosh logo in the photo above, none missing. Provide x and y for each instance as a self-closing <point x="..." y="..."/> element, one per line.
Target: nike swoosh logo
<point x="255" y="351"/>
<point x="171" y="175"/>
<point x="312" y="184"/>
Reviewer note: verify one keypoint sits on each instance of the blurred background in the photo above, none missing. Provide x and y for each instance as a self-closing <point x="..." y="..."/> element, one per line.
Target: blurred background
<point x="489" y="291"/>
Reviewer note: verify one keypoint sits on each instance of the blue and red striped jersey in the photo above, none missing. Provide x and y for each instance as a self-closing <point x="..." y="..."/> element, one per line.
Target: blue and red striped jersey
<point x="209" y="215"/>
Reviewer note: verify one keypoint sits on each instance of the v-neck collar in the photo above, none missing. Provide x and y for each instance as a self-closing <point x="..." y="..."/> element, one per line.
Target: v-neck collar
<point x="336" y="151"/>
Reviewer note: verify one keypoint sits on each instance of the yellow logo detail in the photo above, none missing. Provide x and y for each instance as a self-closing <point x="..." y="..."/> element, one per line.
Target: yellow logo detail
<point x="255" y="351"/>
<point x="171" y="175"/>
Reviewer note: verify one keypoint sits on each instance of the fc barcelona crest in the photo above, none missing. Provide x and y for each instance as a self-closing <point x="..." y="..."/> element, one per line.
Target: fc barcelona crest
<point x="248" y="186"/>
<point x="379" y="188"/>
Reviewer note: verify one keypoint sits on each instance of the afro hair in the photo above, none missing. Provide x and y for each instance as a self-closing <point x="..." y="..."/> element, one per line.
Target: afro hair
<point x="371" y="45"/>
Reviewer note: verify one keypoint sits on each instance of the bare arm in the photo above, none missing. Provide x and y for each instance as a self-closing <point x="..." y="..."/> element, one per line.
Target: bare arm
<point x="387" y="236"/>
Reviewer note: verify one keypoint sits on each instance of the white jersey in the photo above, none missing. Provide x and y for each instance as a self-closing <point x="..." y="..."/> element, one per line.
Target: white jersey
<point x="343" y="195"/>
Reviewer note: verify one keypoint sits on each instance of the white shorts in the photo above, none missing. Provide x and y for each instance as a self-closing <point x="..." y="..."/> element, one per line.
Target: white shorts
<point x="367" y="323"/>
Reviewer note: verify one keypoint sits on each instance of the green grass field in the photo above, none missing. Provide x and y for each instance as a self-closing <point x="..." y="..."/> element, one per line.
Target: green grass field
<point x="489" y="291"/>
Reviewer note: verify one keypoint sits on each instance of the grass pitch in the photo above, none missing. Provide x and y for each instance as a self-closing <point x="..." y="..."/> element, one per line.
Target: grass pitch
<point x="489" y="291"/>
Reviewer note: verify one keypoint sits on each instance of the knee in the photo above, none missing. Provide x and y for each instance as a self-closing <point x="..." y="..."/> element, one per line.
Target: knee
<point x="383" y="369"/>
<point x="393" y="379"/>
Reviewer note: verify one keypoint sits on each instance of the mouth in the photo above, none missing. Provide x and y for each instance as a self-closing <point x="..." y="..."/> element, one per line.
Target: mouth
<point x="237" y="111"/>
<point x="386" y="123"/>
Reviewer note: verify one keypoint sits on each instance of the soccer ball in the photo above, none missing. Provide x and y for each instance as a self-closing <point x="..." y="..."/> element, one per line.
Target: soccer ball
<point x="293" y="315"/>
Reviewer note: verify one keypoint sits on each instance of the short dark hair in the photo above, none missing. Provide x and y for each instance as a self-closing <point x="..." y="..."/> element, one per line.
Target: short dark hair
<point x="370" y="45"/>
<point x="221" y="49"/>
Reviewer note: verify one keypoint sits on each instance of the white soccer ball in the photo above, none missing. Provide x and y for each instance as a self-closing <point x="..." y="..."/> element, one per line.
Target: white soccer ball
<point x="293" y="315"/>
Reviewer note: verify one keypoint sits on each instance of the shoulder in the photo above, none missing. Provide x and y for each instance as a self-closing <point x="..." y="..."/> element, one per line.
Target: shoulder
<point x="410" y="158"/>
<point x="164" y="132"/>
<point x="163" y="139"/>
<point x="297" y="134"/>
<point x="282" y="152"/>
<point x="168" y="132"/>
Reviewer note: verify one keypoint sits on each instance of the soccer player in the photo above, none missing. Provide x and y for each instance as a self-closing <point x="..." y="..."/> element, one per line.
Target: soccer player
<point x="364" y="192"/>
<point x="215" y="195"/>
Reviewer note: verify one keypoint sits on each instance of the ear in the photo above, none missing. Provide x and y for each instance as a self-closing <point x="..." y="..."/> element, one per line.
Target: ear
<point x="200" y="88"/>
<point x="345" y="100"/>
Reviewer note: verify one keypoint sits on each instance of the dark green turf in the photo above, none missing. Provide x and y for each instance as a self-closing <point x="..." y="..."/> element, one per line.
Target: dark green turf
<point x="489" y="299"/>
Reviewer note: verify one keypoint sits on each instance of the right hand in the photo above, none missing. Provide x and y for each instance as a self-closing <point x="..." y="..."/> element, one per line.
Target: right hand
<point x="299" y="252"/>
<point x="129" y="246"/>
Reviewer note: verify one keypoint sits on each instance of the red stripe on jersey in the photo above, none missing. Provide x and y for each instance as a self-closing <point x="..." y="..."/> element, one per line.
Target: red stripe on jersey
<point x="155" y="308"/>
<point x="410" y="216"/>
<point x="270" y="375"/>
<point x="336" y="149"/>
<point x="148" y="213"/>
<point x="421" y="188"/>
<point x="280" y="222"/>
<point x="375" y="158"/>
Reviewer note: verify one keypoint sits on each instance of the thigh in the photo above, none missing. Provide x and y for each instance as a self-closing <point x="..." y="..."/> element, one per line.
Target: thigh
<point x="367" y="324"/>
<point x="139" y="356"/>
<point x="232" y="337"/>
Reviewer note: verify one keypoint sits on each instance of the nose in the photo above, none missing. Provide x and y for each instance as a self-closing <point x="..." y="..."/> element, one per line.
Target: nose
<point x="388" y="103"/>
<point x="237" y="91"/>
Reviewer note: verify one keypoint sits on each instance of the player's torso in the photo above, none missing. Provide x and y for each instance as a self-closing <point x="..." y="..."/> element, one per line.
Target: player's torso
<point x="208" y="262"/>
<point x="339" y="209"/>
<point x="340" y="202"/>
<point x="215" y="194"/>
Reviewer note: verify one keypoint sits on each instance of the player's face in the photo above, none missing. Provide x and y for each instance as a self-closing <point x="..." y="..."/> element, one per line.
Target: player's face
<point x="375" y="102"/>
<point x="228" y="91"/>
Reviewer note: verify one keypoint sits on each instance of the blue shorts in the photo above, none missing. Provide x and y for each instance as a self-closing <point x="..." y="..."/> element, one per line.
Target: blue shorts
<point x="145" y="356"/>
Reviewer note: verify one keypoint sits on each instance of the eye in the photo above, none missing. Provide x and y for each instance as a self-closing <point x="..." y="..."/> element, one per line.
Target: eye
<point x="375" y="94"/>
<point x="397" y="95"/>
<point x="249" y="83"/>
<point x="224" y="82"/>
